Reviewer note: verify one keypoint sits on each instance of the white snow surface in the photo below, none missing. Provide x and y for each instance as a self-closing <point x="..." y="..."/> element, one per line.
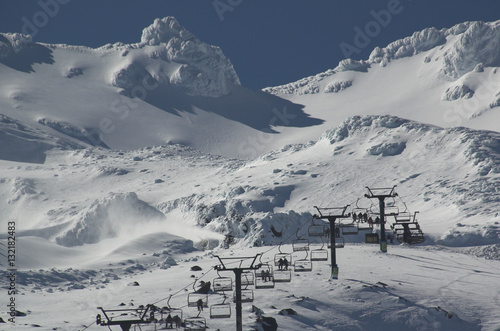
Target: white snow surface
<point x="131" y="163"/>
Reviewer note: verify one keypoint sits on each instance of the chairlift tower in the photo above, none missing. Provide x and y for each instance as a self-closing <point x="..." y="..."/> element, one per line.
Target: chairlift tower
<point x="331" y="214"/>
<point x="381" y="194"/>
<point x="237" y="275"/>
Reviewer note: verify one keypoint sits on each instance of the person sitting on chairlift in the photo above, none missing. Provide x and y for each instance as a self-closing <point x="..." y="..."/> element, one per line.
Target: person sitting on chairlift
<point x="168" y="321"/>
<point x="365" y="217"/>
<point x="177" y="320"/>
<point x="199" y="304"/>
<point x="280" y="264"/>
<point x="285" y="264"/>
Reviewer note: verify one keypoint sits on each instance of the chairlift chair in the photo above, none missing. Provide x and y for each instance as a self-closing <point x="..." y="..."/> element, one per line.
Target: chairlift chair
<point x="221" y="284"/>
<point x="247" y="278"/>
<point x="316" y="230"/>
<point x="303" y="265"/>
<point x="403" y="217"/>
<point x="264" y="277"/>
<point x="175" y="314"/>
<point x="282" y="276"/>
<point x="391" y="210"/>
<point x="408" y="232"/>
<point x="246" y="295"/>
<point x="319" y="255"/>
<point x="195" y="324"/>
<point x="194" y="297"/>
<point x="300" y="245"/>
<point x="220" y="310"/>
<point x="126" y="317"/>
<point x="349" y="229"/>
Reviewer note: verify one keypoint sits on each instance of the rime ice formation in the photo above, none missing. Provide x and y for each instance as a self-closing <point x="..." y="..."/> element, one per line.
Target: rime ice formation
<point x="169" y="54"/>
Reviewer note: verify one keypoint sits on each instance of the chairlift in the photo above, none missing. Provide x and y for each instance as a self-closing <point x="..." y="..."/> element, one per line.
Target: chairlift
<point x="339" y="242"/>
<point x="220" y="310"/>
<point x="247" y="278"/>
<point x="195" y="324"/>
<point x="126" y="317"/>
<point x="175" y="314"/>
<point x="319" y="254"/>
<point x="221" y="284"/>
<point x="391" y="211"/>
<point x="283" y="276"/>
<point x="264" y="277"/>
<point x="246" y="295"/>
<point x="302" y="265"/>
<point x="316" y="230"/>
<point x="403" y="217"/>
<point x="194" y="297"/>
<point x="349" y="229"/>
<point x="409" y="232"/>
<point x="300" y="245"/>
<point x="282" y="256"/>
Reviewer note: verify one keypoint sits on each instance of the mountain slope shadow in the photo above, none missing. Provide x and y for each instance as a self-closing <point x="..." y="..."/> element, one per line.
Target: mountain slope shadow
<point x="24" y="59"/>
<point x="255" y="109"/>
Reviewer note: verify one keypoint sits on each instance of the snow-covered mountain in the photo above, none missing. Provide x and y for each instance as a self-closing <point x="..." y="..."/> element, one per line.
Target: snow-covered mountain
<point x="121" y="163"/>
<point x="168" y="88"/>
<point x="444" y="77"/>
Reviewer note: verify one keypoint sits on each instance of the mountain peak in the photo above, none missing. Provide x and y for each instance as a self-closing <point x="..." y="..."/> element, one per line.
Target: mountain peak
<point x="197" y="68"/>
<point x="163" y="30"/>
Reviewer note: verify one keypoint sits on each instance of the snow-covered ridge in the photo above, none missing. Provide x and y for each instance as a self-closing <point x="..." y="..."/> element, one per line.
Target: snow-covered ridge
<point x="167" y="54"/>
<point x="463" y="47"/>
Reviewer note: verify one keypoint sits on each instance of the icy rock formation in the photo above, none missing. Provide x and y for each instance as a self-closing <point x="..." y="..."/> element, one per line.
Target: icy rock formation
<point x="11" y="43"/>
<point x="336" y="87"/>
<point x="457" y="92"/>
<point x="419" y="42"/>
<point x="479" y="43"/>
<point x="186" y="62"/>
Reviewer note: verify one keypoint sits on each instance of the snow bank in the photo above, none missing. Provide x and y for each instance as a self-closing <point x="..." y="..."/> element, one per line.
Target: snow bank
<point x="23" y="143"/>
<point x="117" y="214"/>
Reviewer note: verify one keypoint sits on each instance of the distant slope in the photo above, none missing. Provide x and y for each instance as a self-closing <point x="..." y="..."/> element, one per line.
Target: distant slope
<point x="448" y="77"/>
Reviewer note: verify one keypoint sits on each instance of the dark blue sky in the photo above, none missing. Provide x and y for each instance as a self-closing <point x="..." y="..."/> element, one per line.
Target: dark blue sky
<point x="270" y="42"/>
